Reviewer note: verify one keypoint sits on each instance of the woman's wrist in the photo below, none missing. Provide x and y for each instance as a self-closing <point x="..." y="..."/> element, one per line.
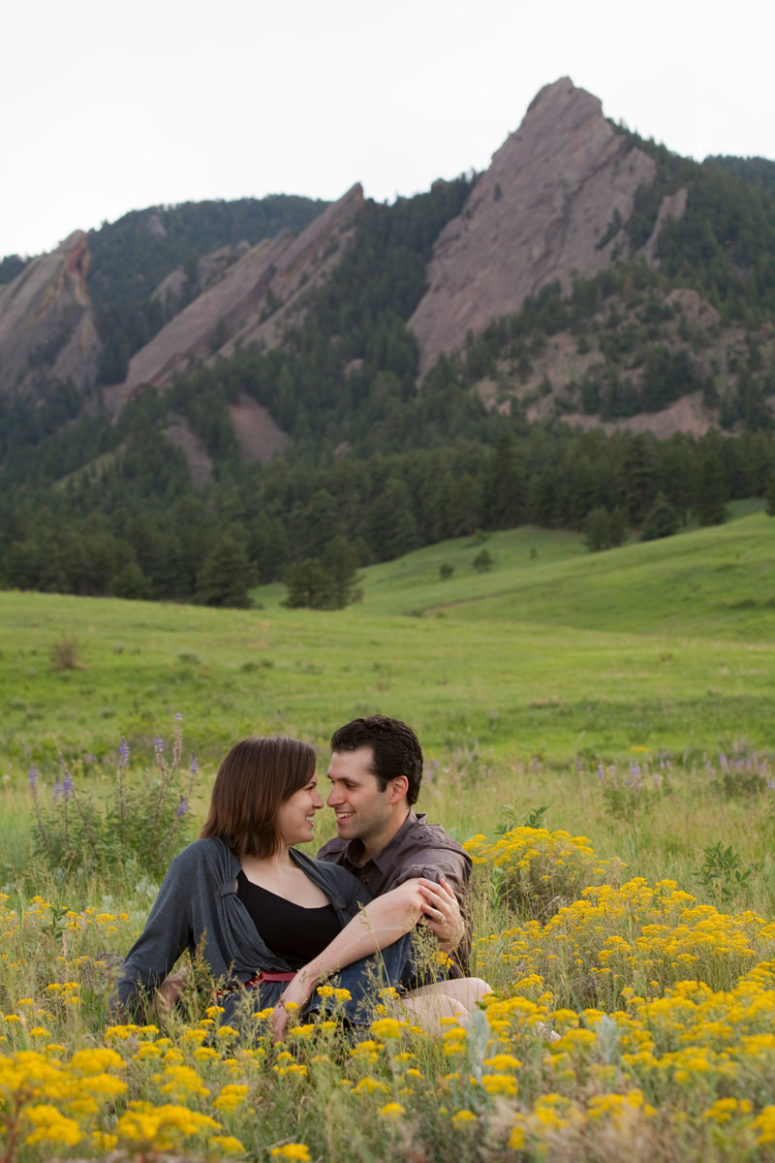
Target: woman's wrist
<point x="309" y="976"/>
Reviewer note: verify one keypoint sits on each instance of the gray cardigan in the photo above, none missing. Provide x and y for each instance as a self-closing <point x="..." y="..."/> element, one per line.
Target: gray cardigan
<point x="198" y="908"/>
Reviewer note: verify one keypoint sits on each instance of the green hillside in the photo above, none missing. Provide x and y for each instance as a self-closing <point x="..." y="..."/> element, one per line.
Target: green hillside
<point x="697" y="584"/>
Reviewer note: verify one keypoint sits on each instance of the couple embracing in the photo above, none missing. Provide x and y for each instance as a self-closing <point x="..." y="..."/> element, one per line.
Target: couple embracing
<point x="272" y="924"/>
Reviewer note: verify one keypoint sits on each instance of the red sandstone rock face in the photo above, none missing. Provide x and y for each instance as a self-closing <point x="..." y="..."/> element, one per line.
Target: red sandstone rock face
<point x="47" y="329"/>
<point x="250" y="302"/>
<point x="537" y="214"/>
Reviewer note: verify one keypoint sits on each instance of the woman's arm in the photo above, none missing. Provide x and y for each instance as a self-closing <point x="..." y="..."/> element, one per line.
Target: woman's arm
<point x="163" y="939"/>
<point x="378" y="924"/>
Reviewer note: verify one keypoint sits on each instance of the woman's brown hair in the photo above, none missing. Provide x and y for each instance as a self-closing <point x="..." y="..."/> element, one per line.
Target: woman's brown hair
<point x="254" y="779"/>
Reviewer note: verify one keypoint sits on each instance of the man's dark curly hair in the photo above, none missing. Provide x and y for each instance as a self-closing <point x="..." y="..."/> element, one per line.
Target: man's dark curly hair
<point x="395" y="747"/>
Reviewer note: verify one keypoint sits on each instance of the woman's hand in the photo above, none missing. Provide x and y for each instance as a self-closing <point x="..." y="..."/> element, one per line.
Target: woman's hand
<point x="442" y="913"/>
<point x="170" y="990"/>
<point x="292" y="1001"/>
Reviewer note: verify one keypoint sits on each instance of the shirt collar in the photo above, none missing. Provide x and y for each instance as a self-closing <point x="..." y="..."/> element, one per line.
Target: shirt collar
<point x="354" y="852"/>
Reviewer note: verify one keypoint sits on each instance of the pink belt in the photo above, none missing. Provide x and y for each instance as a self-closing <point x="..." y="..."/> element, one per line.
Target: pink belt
<point x="257" y="979"/>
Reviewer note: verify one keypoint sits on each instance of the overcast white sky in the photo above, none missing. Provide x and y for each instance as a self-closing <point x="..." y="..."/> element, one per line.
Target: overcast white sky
<point x="110" y="106"/>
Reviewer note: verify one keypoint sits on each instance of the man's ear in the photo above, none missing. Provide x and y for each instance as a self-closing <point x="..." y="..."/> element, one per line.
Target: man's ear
<point x="398" y="788"/>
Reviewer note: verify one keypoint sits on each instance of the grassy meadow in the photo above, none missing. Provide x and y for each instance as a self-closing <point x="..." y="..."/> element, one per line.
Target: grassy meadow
<point x="598" y="729"/>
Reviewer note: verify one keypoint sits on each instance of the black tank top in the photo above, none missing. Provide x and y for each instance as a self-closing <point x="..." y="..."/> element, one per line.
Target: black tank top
<point x="292" y="932"/>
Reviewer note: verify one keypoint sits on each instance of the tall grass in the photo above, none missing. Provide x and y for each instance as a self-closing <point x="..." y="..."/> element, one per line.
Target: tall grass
<point x="661" y="1007"/>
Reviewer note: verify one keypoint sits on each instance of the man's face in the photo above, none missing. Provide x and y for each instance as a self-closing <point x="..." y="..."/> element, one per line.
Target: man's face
<point x="362" y="810"/>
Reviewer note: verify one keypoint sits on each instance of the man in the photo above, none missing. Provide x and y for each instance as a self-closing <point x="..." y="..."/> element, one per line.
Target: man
<point x="375" y="773"/>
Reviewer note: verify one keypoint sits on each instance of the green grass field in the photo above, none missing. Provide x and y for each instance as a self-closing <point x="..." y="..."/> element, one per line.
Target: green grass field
<point x="669" y="645"/>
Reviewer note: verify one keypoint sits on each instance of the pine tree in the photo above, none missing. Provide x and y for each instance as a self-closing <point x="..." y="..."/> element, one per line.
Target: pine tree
<point x="710" y="489"/>
<point x="661" y="519"/>
<point x="225" y="575"/>
<point x="769" y="496"/>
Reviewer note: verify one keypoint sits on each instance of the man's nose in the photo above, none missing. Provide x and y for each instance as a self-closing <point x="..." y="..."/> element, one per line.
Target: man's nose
<point x="333" y="798"/>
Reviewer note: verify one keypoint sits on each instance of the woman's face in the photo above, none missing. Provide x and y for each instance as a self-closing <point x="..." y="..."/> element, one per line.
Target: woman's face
<point x="295" y="819"/>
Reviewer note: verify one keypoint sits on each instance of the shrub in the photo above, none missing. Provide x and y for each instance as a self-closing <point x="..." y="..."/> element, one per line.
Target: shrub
<point x="639" y="937"/>
<point x="65" y="655"/>
<point x="136" y="826"/>
<point x="537" y="872"/>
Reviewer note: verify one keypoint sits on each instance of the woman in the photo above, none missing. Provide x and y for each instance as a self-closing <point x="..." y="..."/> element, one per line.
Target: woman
<point x="265" y="916"/>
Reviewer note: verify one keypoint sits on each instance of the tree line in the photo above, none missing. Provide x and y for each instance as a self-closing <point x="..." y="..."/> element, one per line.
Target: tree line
<point x="134" y="527"/>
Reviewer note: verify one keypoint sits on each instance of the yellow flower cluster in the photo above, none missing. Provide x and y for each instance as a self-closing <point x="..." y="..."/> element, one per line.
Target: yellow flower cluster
<point x="536" y="870"/>
<point x="633" y="1017"/>
<point x="636" y="937"/>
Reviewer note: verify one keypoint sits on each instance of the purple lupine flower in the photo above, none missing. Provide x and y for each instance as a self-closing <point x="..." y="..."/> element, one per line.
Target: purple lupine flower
<point x="723" y="761"/>
<point x="182" y="807"/>
<point x="32" y="776"/>
<point x="67" y="783"/>
<point x="57" y="793"/>
<point x="657" y="779"/>
<point x="600" y="773"/>
<point x="177" y="716"/>
<point x="123" y="753"/>
<point x="158" y="744"/>
<point x="194" y="764"/>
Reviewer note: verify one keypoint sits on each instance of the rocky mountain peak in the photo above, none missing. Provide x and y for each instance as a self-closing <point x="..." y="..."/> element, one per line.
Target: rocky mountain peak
<point x="47" y="329"/>
<point x="251" y="301"/>
<point x="542" y="211"/>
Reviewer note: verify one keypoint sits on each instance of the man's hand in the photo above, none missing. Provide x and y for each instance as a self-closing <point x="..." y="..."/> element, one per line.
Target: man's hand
<point x="442" y="913"/>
